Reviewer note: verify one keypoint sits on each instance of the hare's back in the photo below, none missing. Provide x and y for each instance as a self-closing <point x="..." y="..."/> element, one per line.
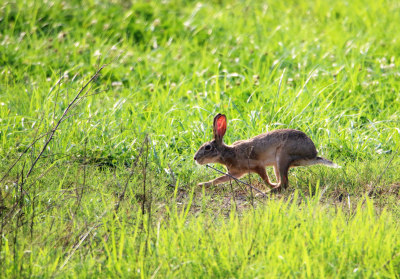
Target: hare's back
<point x="293" y="142"/>
<point x="297" y="143"/>
<point x="281" y="135"/>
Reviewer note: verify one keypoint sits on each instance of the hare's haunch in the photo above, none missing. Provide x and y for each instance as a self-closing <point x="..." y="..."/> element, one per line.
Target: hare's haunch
<point x="281" y="149"/>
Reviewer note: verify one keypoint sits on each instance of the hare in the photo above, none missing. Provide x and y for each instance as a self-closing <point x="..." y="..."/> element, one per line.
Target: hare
<point x="281" y="149"/>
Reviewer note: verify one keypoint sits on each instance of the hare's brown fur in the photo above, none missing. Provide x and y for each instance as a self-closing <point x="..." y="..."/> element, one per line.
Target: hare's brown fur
<point x="281" y="149"/>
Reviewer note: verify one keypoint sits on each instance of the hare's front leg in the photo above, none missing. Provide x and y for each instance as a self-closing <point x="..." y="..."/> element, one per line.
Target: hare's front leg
<point x="221" y="179"/>
<point x="263" y="173"/>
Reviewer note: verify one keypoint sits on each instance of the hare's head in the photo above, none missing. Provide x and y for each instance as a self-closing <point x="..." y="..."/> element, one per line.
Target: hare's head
<point x="210" y="151"/>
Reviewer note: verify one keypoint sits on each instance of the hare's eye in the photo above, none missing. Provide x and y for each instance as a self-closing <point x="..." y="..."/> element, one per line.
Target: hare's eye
<point x="208" y="147"/>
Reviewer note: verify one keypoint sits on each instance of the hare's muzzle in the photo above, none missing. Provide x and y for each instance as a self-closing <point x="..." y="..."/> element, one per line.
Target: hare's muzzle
<point x="196" y="160"/>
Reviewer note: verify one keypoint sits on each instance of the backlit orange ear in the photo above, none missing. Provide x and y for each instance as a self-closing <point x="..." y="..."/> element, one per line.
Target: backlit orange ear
<point x="221" y="125"/>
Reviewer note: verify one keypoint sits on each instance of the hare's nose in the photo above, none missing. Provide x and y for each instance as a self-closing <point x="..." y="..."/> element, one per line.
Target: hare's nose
<point x="194" y="157"/>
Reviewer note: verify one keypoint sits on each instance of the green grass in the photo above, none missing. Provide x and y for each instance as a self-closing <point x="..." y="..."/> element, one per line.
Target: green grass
<point x="328" y="69"/>
<point x="282" y="239"/>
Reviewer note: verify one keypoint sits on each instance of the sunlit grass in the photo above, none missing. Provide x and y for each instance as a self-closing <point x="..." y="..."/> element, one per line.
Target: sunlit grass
<point x="279" y="239"/>
<point x="328" y="69"/>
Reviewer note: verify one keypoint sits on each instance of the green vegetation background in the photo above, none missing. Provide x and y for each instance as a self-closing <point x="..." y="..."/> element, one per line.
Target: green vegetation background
<point x="328" y="68"/>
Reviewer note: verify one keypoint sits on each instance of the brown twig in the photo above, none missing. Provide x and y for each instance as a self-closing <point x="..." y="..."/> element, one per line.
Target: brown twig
<point x="371" y="192"/>
<point x="53" y="131"/>
<point x="122" y="195"/>
<point x="233" y="194"/>
<point x="80" y="196"/>
<point x="238" y="180"/>
<point x="23" y="153"/>
<point x="81" y="240"/>
<point x="387" y="166"/>
<point x="144" y="176"/>
<point x="172" y="175"/>
<point x="149" y="197"/>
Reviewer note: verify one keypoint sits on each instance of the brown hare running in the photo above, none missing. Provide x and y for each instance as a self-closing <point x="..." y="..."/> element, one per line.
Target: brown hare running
<point x="281" y="149"/>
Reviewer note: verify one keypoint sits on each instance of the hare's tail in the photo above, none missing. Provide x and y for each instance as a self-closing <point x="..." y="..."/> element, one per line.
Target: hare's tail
<point x="316" y="161"/>
<point x="326" y="162"/>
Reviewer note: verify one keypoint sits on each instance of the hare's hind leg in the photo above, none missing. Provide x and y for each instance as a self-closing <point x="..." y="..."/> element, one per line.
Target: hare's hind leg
<point x="276" y="173"/>
<point x="281" y="170"/>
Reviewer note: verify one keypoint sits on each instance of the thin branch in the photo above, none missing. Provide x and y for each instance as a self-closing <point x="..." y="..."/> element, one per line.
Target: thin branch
<point x="233" y="194"/>
<point x="82" y="239"/>
<point x="57" y="83"/>
<point x="122" y="195"/>
<point x="371" y="192"/>
<point x="237" y="180"/>
<point x="144" y="175"/>
<point x="53" y="131"/>
<point x="387" y="166"/>
<point x="23" y="153"/>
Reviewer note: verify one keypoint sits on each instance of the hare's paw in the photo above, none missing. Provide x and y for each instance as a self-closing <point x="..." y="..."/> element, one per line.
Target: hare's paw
<point x="205" y="184"/>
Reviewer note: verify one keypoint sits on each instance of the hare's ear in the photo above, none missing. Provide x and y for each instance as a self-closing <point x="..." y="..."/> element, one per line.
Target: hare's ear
<point x="219" y="127"/>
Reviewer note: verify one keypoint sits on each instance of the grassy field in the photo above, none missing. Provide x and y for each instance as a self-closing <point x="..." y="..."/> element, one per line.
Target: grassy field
<point x="107" y="186"/>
